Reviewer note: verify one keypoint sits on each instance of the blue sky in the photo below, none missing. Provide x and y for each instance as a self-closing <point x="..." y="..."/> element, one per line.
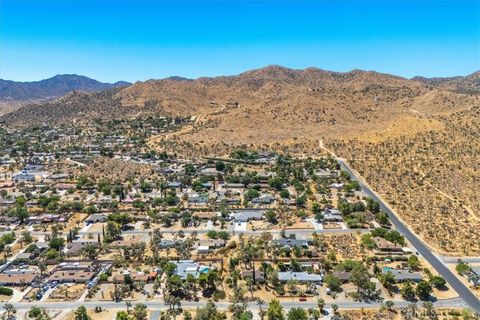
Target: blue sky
<point x="114" y="40"/>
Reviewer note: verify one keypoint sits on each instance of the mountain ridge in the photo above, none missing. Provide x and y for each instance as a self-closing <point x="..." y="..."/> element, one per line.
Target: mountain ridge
<point x="50" y="88"/>
<point x="288" y="98"/>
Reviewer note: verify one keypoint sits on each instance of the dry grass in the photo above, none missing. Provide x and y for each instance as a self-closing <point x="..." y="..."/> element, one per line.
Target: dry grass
<point x="431" y="179"/>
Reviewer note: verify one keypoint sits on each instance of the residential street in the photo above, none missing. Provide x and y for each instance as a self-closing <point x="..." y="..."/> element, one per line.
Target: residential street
<point x="306" y="232"/>
<point x="160" y="305"/>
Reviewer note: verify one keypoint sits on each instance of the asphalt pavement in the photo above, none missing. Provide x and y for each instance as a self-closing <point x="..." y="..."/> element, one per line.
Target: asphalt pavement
<point x="222" y="305"/>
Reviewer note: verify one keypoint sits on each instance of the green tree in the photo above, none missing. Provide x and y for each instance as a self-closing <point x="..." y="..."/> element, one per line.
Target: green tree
<point x="284" y="194"/>
<point x="112" y="231"/>
<point x="387" y="280"/>
<point x="373" y="205"/>
<point x="140" y="311"/>
<point x="209" y="312"/>
<point x="413" y="262"/>
<point x="438" y="282"/>
<point x="297" y="314"/>
<point x="462" y="268"/>
<point x="271" y="216"/>
<point x="407" y="291"/>
<point x="275" y="310"/>
<point x="333" y="283"/>
<point x="21" y="212"/>
<point x="361" y="279"/>
<point x="382" y="218"/>
<point x="56" y="243"/>
<point x="276" y="183"/>
<point x="220" y="166"/>
<point x="81" y="314"/>
<point x="423" y="290"/>
<point x="122" y="315"/>
<point x="34" y="312"/>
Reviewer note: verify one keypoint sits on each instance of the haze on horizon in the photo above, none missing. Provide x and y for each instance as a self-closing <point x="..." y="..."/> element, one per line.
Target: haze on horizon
<point x="112" y="40"/>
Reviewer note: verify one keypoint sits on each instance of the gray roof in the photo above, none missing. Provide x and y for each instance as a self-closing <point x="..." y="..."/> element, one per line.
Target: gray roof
<point x="23" y="176"/>
<point x="168" y="243"/>
<point x="97" y="217"/>
<point x="299" y="276"/>
<point x="198" y="199"/>
<point x="174" y="184"/>
<point x="247" y="215"/>
<point x="291" y="242"/>
<point x="186" y="267"/>
<point x="476" y="270"/>
<point x="404" y="275"/>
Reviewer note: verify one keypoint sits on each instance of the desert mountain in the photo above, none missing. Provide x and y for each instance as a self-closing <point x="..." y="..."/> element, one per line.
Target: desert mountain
<point x="467" y="84"/>
<point x="54" y="87"/>
<point x="268" y="105"/>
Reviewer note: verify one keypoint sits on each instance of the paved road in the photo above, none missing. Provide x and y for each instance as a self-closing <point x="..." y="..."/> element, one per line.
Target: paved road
<point x="155" y="315"/>
<point x="448" y="259"/>
<point x="305" y="232"/>
<point x="160" y="305"/>
<point x="463" y="291"/>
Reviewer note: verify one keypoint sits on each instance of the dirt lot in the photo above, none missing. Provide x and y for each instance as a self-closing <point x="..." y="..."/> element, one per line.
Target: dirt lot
<point x="67" y="292"/>
<point x="104" y="315"/>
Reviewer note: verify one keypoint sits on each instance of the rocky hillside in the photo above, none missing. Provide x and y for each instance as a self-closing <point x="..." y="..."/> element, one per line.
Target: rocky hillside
<point x="268" y="105"/>
<point x="54" y="87"/>
<point x="467" y="84"/>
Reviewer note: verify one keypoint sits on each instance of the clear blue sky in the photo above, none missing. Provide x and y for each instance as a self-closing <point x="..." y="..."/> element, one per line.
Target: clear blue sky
<point x="114" y="40"/>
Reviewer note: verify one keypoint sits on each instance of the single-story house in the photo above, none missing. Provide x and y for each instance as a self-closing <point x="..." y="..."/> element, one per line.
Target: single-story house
<point x="136" y="276"/>
<point x="23" y="176"/>
<point x="96" y="217"/>
<point x="7" y="202"/>
<point x="264" y="199"/>
<point x="387" y="246"/>
<point x="247" y="215"/>
<point x="302" y="277"/>
<point x="186" y="267"/>
<point x="404" y="275"/>
<point x="290" y="243"/>
<point x="343" y="276"/>
<point x="332" y="215"/>
<point x="197" y="200"/>
<point x="212" y="243"/>
<point x="168" y="243"/>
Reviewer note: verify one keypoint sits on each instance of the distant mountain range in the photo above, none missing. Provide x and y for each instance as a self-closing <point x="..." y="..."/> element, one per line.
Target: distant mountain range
<point x="57" y="86"/>
<point x="467" y="84"/>
<point x="262" y="105"/>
